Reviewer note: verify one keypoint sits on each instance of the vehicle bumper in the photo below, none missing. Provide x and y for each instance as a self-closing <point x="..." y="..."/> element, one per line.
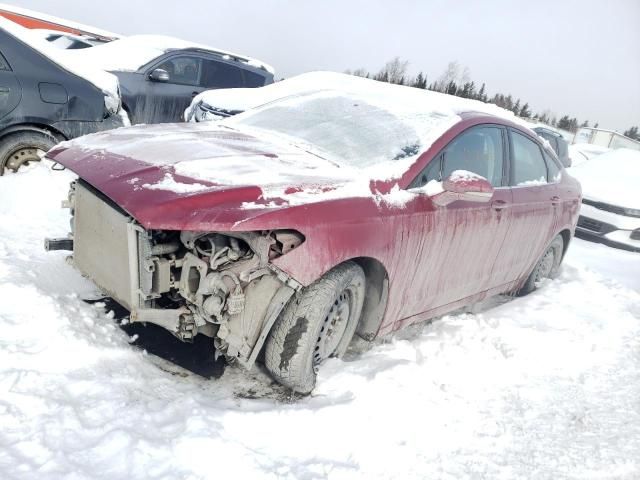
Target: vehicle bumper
<point x="74" y="129"/>
<point x="609" y="228"/>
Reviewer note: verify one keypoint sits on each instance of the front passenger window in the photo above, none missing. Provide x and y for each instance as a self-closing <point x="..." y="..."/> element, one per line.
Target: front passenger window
<point x="182" y="70"/>
<point x="478" y="150"/>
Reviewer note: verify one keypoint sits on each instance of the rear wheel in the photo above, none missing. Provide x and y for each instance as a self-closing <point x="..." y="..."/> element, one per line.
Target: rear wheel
<point x="547" y="266"/>
<point x="22" y="148"/>
<point x="319" y="323"/>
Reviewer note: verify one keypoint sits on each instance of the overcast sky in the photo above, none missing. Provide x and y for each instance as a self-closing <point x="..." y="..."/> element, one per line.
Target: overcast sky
<point x="581" y="58"/>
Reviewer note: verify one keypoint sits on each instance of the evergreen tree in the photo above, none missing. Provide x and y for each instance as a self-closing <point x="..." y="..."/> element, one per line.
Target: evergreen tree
<point x="420" y="81"/>
<point x="452" y="88"/>
<point x="524" y="111"/>
<point x="482" y="96"/>
<point x="516" y="107"/>
<point x="585" y="124"/>
<point x="564" y="123"/>
<point x="632" y="133"/>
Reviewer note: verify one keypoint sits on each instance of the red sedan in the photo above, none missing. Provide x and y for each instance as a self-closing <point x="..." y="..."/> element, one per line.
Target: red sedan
<point x="357" y="208"/>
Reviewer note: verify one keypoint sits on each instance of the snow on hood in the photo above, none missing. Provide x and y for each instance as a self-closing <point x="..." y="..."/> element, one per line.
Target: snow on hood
<point x="104" y="81"/>
<point x="581" y="152"/>
<point x="128" y="54"/>
<point x="612" y="177"/>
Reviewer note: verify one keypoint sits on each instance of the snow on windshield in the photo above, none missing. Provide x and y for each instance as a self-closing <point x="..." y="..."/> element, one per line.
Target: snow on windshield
<point x="343" y="127"/>
<point x="105" y="81"/>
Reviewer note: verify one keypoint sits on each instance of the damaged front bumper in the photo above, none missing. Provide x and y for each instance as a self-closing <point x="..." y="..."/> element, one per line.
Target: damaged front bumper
<point x="220" y="284"/>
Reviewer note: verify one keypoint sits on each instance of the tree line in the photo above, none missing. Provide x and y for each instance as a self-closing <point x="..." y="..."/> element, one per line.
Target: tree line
<point x="456" y="80"/>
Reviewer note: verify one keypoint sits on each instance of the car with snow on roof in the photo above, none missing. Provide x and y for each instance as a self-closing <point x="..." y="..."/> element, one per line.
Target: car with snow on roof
<point x="610" y="210"/>
<point x="160" y="75"/>
<point x="46" y="97"/>
<point x="286" y="230"/>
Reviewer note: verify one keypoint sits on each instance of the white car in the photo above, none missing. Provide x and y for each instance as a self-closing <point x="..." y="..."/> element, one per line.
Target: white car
<point x="225" y="102"/>
<point x="610" y="211"/>
<point x="583" y="152"/>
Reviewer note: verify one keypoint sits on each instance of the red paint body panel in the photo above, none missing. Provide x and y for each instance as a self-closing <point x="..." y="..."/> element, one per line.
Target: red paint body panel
<point x="437" y="258"/>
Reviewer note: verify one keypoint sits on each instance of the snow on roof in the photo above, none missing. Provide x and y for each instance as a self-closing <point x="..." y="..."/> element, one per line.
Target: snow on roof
<point x="81" y="28"/>
<point x="105" y="81"/>
<point x="130" y="53"/>
<point x="611" y="177"/>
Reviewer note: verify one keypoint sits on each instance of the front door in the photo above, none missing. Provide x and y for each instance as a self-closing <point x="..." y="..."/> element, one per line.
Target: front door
<point x="166" y="101"/>
<point x="456" y="246"/>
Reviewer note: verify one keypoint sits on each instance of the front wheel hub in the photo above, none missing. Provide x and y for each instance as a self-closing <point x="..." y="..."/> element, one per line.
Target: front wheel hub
<point x="334" y="326"/>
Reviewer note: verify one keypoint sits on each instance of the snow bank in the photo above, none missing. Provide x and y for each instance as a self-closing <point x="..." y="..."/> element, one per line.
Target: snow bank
<point x="581" y="152"/>
<point x="131" y="53"/>
<point x="545" y="386"/>
<point x="105" y="81"/>
<point x="611" y="177"/>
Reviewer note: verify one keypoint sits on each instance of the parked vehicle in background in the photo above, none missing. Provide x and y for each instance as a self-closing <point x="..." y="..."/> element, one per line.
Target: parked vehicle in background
<point x="582" y="152"/>
<point x="358" y="208"/>
<point x="68" y="41"/>
<point x="159" y="76"/>
<point x="610" y="211"/>
<point x="45" y="98"/>
<point x="557" y="142"/>
<point x="222" y="103"/>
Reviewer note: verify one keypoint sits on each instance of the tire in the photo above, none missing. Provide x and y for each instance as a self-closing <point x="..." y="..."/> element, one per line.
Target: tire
<point x="21" y="148"/>
<point x="317" y="324"/>
<point x="546" y="267"/>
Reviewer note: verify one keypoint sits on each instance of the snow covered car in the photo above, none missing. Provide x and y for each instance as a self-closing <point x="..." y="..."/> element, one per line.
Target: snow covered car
<point x="225" y="102"/>
<point x="45" y="97"/>
<point x="357" y="209"/>
<point x="583" y="152"/>
<point x="610" y="211"/>
<point x="159" y="76"/>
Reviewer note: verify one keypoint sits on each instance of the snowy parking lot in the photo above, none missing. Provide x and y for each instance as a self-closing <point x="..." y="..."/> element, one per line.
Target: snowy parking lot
<point x="546" y="386"/>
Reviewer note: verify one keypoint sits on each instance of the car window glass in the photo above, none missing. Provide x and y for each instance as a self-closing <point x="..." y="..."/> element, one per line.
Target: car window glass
<point x="3" y="63"/>
<point x="221" y="75"/>
<point x="252" y="79"/>
<point x="478" y="150"/>
<point x="182" y="70"/>
<point x="549" y="138"/>
<point x="553" y="168"/>
<point x="430" y="172"/>
<point x="529" y="167"/>
<point x="563" y="151"/>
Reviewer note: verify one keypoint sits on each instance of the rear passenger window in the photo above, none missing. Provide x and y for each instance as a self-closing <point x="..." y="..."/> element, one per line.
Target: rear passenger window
<point x="478" y="150"/>
<point x="221" y="75"/>
<point x="3" y="63"/>
<point x="528" y="166"/>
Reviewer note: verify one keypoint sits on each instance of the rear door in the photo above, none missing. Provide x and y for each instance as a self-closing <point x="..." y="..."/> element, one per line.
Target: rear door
<point x="10" y="91"/>
<point x="534" y="210"/>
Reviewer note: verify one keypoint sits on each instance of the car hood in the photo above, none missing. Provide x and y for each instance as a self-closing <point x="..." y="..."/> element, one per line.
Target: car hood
<point x="611" y="178"/>
<point x="191" y="176"/>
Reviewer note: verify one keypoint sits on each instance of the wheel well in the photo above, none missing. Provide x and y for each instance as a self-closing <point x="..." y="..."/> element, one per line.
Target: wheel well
<point x="32" y="127"/>
<point x="375" y="298"/>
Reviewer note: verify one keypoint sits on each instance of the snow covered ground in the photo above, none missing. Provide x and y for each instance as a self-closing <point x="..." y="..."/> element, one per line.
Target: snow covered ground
<point x="541" y="387"/>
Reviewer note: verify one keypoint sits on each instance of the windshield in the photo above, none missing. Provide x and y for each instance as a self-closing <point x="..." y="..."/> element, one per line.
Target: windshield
<point x="337" y="125"/>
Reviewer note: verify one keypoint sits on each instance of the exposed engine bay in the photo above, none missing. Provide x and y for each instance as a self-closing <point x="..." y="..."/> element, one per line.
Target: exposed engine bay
<point x="219" y="284"/>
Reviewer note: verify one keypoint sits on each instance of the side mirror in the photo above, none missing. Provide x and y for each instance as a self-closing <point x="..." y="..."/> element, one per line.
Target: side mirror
<point x="466" y="186"/>
<point x="159" y="75"/>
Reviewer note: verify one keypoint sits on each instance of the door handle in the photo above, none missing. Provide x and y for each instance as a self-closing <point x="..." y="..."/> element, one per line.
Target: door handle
<point x="555" y="200"/>
<point x="499" y="205"/>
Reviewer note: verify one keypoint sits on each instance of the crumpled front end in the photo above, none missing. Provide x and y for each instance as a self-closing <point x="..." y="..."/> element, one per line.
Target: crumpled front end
<point x="220" y="284"/>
